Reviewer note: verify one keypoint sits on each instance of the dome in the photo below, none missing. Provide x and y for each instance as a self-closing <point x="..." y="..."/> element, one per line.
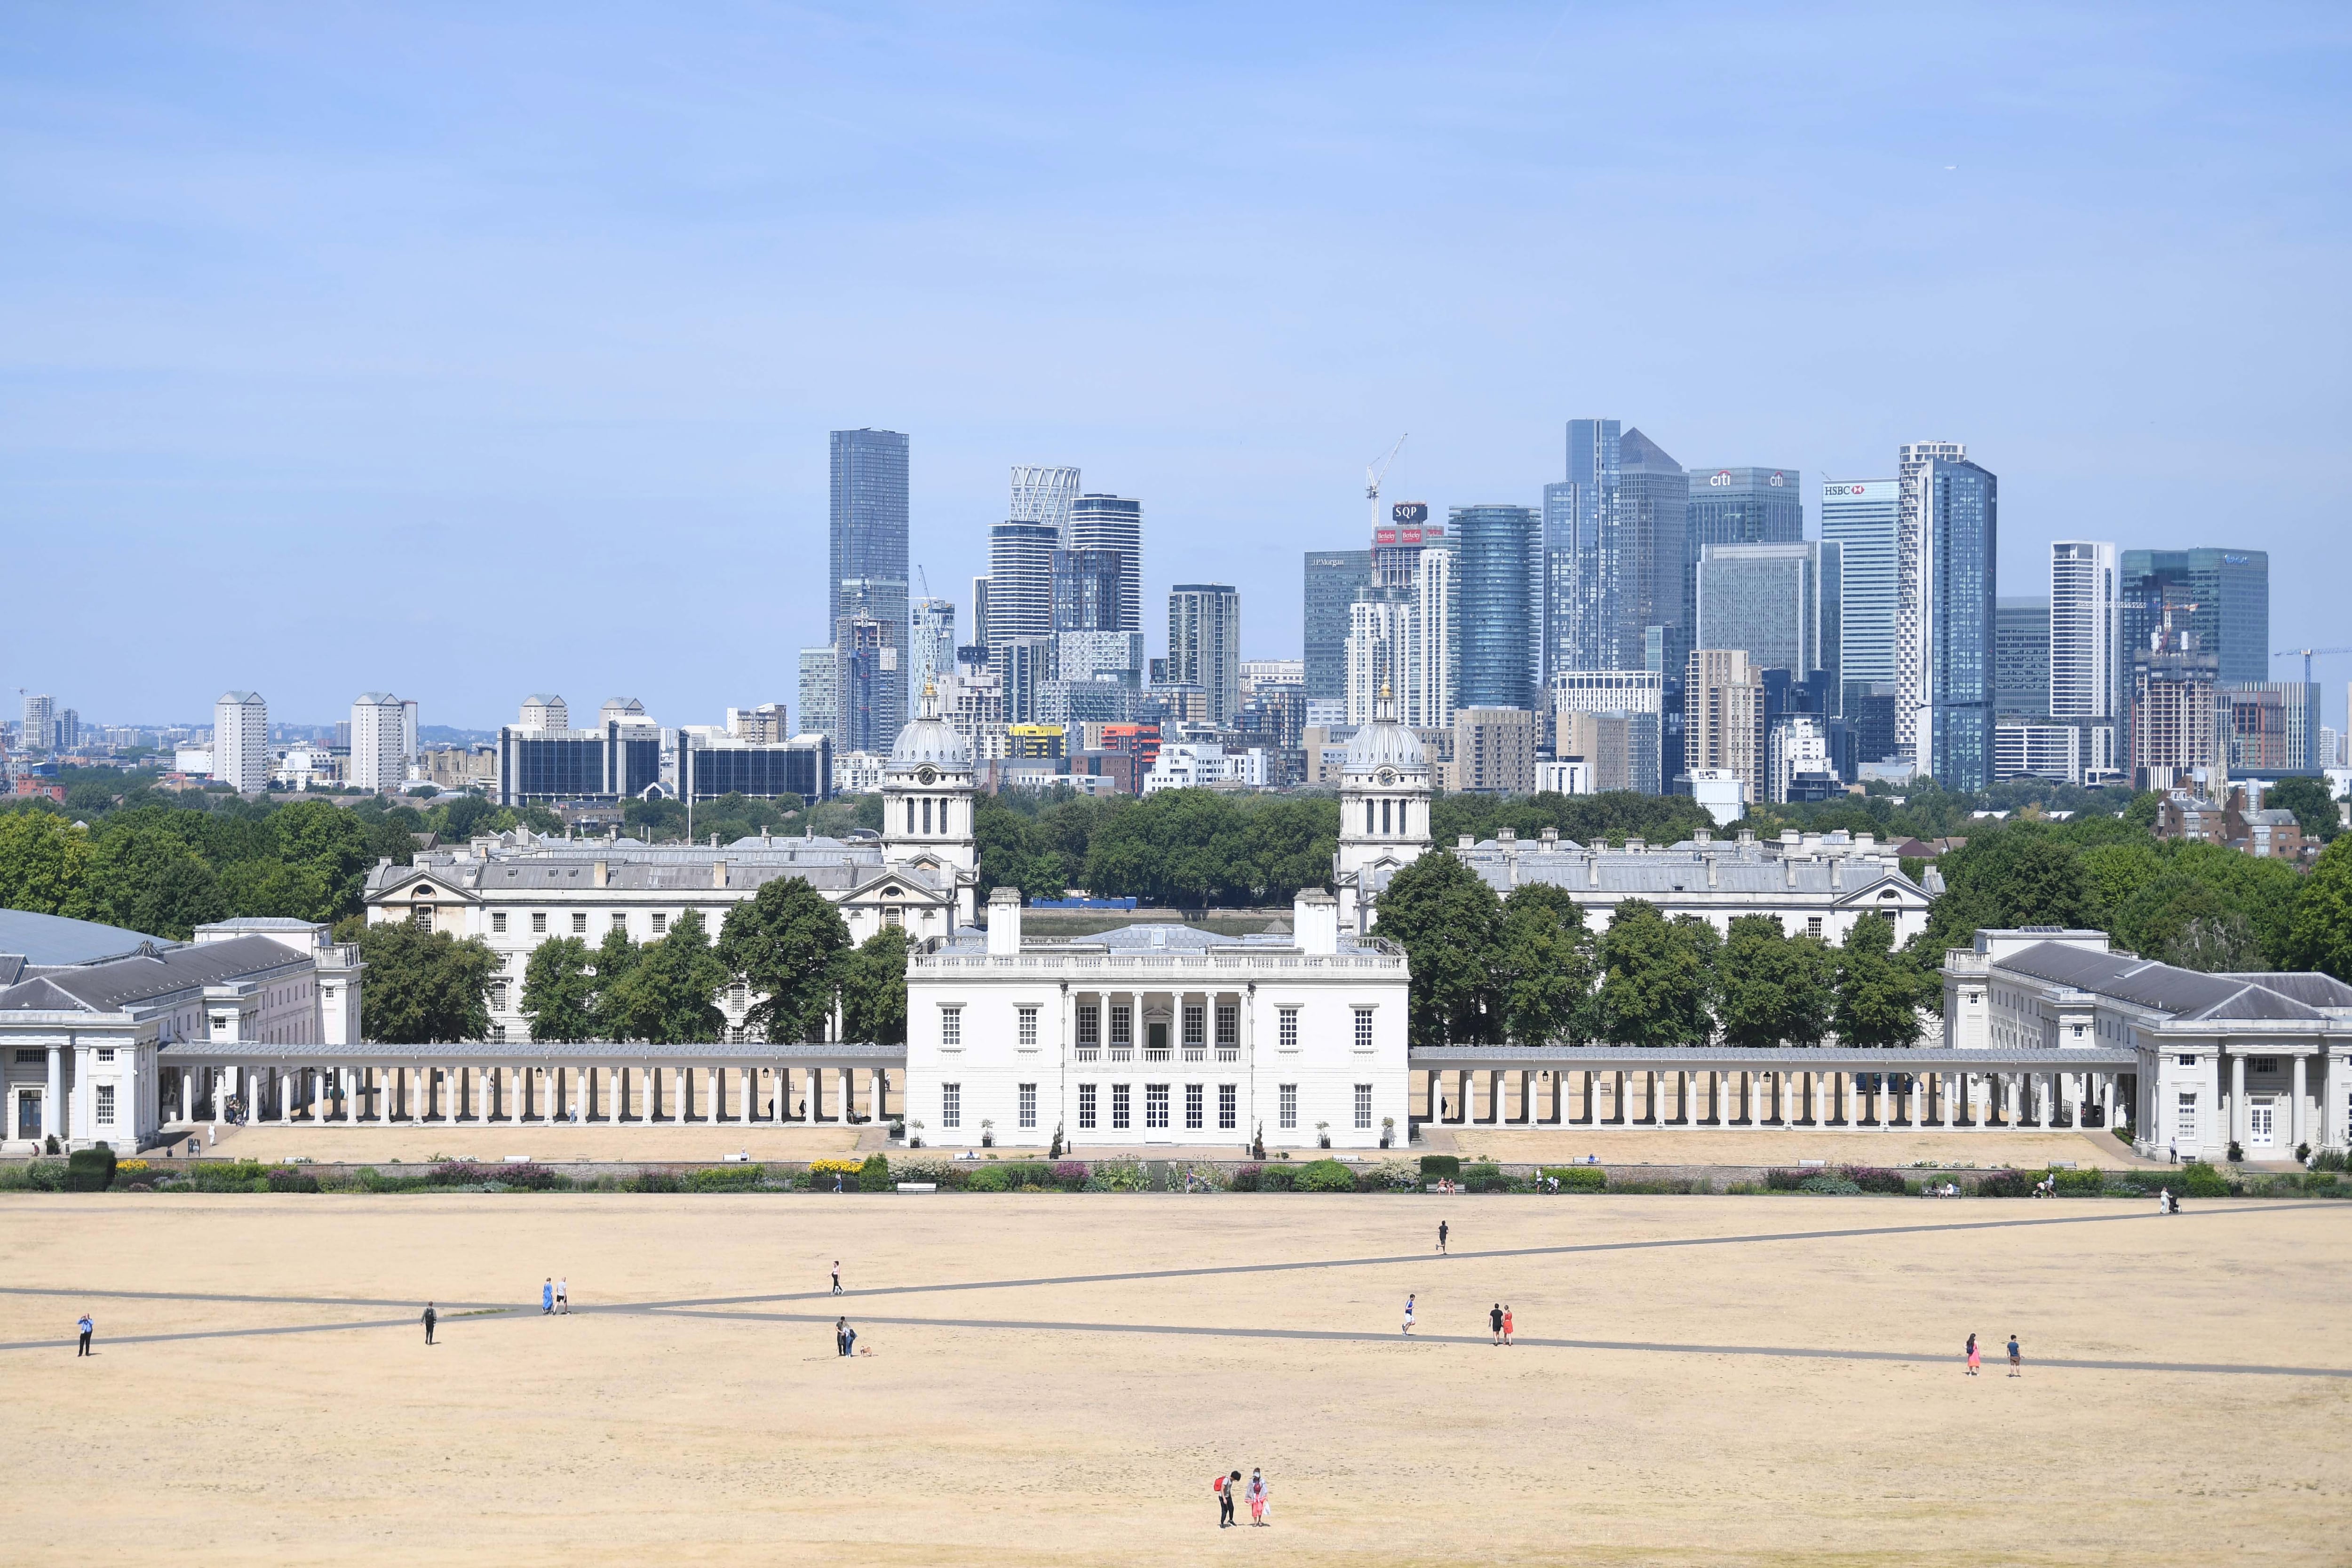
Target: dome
<point x="930" y="742"/>
<point x="1385" y="743"/>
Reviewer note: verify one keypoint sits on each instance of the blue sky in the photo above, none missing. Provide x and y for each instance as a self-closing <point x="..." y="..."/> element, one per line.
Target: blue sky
<point x="469" y="351"/>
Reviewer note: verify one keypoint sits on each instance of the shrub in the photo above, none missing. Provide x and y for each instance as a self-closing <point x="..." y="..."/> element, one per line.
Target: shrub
<point x="1579" y="1178"/>
<point x="1475" y="1177"/>
<point x="833" y="1165"/>
<point x="1436" y="1166"/>
<point x="89" y="1169"/>
<point x="1395" y="1178"/>
<point x="2004" y="1185"/>
<point x="1277" y="1178"/>
<point x="1787" y="1181"/>
<point x="1028" y="1176"/>
<point x="2328" y="1160"/>
<point x="2087" y="1184"/>
<point x="291" y="1179"/>
<point x="140" y="1167"/>
<point x="653" y="1182"/>
<point x="1325" y="1176"/>
<point x="725" y="1178"/>
<point x="2201" y="1180"/>
<point x="1246" y="1178"/>
<point x="226" y="1175"/>
<point x="988" y="1179"/>
<point x="1872" y="1179"/>
<point x="1829" y="1183"/>
<point x="1070" y="1175"/>
<point x="874" y="1175"/>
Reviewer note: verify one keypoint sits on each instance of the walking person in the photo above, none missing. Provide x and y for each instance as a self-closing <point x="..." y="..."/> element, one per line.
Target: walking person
<point x="431" y="1318"/>
<point x="836" y="1276"/>
<point x="563" y="1298"/>
<point x="1495" y="1322"/>
<point x="2015" y="1365"/>
<point x="841" y="1336"/>
<point x="1972" y="1356"/>
<point x="1226" y="1487"/>
<point x="1259" y="1496"/>
<point x="1441" y="1235"/>
<point x="547" y="1296"/>
<point x="1507" y="1322"/>
<point x="84" y="1328"/>
<point x="1408" y="1312"/>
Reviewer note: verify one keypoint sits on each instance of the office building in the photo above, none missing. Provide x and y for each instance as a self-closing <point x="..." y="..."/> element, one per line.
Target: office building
<point x="867" y="681"/>
<point x="1494" y="749"/>
<point x="1799" y="759"/>
<point x="241" y="740"/>
<point x="2272" y="727"/>
<point x="1020" y="580"/>
<point x="1333" y="580"/>
<point x="1946" y="542"/>
<point x="870" y="555"/>
<point x="1028" y="666"/>
<point x="1403" y="645"/>
<point x="1576" y="515"/>
<point x="2221" y="598"/>
<point x="1646" y="559"/>
<point x="2086" y="667"/>
<point x="1113" y="526"/>
<point x="1499" y="560"/>
<point x="65" y="733"/>
<point x="621" y="758"/>
<point x="40" y="719"/>
<point x="1775" y="603"/>
<point x="1914" y="571"/>
<point x="931" y="636"/>
<point x="1860" y="517"/>
<point x="1204" y="644"/>
<point x="1086" y="588"/>
<point x="2021" y="657"/>
<point x="711" y="766"/>
<point x="1723" y="697"/>
<point x="1746" y="506"/>
<point x="380" y="753"/>
<point x="1624" y="755"/>
<point x="979" y="618"/>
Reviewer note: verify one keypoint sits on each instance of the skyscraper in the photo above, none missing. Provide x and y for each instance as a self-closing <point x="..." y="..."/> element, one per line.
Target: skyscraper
<point x="1944" y="648"/>
<point x="934" y="645"/>
<point x="1859" y="516"/>
<point x="1646" y="577"/>
<point x="1746" y="506"/>
<point x="869" y="552"/>
<point x="2020" y="658"/>
<point x="2085" y="626"/>
<point x="1113" y="525"/>
<point x="2222" y="598"/>
<point x="241" y="740"/>
<point x="1500" y="555"/>
<point x="1768" y="601"/>
<point x="1576" y="512"/>
<point x="1086" y="585"/>
<point x="1204" y="644"/>
<point x="1333" y="578"/>
<point x="818" y="684"/>
<point x="40" y="722"/>
<point x="380" y="754"/>
<point x="1042" y="493"/>
<point x="1725" y="696"/>
<point x="1020" y="580"/>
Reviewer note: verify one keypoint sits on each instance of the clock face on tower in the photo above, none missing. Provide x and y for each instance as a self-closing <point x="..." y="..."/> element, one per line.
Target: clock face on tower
<point x="1388" y="776"/>
<point x="925" y="775"/>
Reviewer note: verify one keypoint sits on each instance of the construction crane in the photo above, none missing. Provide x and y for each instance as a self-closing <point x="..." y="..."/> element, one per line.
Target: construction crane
<point x="2307" y="653"/>
<point x="1374" y="473"/>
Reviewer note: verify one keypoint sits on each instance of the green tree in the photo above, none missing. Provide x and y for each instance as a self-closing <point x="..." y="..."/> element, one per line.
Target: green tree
<point x="671" y="997"/>
<point x="1776" y="989"/>
<point x="787" y="943"/>
<point x="1878" y="990"/>
<point x="873" y="989"/>
<point x="2320" y="935"/>
<point x="423" y="987"/>
<point x="1544" y="971"/>
<point x="2314" y="809"/>
<point x="558" y="990"/>
<point x="616" y="956"/>
<point x="148" y="879"/>
<point x="1657" y="978"/>
<point x="2023" y="875"/>
<point x="43" y="864"/>
<point x="330" y="843"/>
<point x="264" y="887"/>
<point x="1450" y="924"/>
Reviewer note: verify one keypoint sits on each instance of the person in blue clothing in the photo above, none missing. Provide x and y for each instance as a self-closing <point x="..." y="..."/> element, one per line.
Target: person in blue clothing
<point x="547" y="1296"/>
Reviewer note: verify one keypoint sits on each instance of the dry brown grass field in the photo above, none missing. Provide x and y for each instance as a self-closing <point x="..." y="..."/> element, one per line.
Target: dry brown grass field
<point x="1700" y="1380"/>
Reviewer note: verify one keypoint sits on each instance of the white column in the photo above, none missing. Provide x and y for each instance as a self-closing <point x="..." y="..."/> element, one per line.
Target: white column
<point x="876" y="1083"/>
<point x="849" y="1095"/>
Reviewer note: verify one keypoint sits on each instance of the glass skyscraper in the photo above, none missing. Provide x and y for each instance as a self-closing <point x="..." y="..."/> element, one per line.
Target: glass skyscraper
<point x="1500" y="555"/>
<point x="2020" y="657"/>
<point x="1960" y="546"/>
<point x="1204" y="644"/>
<point x="1739" y="506"/>
<point x="1766" y="601"/>
<point x="1859" y="517"/>
<point x="2223" y="597"/>
<point x="1333" y="578"/>
<point x="1114" y="525"/>
<point x="869" y="555"/>
<point x="1575" y="513"/>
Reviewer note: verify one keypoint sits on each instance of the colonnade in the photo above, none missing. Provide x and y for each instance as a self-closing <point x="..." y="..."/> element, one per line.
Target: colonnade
<point x="1712" y="1096"/>
<point x="532" y="1093"/>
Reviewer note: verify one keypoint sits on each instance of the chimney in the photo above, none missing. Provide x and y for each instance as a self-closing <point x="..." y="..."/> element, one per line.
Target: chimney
<point x="1506" y="837"/>
<point x="766" y="840"/>
<point x="1703" y="835"/>
<point x="1004" y="922"/>
<point x="1551" y="839"/>
<point x="1467" y="841"/>
<point x="1748" y="835"/>
<point x="1315" y="921"/>
<point x="1633" y="846"/>
<point x="603" y="876"/>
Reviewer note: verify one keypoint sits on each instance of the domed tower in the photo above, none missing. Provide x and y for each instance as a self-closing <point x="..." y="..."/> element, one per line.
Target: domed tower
<point x="927" y="793"/>
<point x="1384" y="792"/>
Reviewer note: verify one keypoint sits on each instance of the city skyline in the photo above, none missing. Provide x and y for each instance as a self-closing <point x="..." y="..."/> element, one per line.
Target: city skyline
<point x="264" y="346"/>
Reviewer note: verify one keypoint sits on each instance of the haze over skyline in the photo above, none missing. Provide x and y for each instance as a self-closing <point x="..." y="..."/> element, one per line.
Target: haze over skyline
<point x="467" y="356"/>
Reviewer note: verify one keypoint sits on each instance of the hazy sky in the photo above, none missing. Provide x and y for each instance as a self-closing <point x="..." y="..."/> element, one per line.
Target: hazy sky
<point x="474" y="351"/>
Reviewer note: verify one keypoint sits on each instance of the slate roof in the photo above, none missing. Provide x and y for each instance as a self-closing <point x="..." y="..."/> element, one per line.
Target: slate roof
<point x="53" y="939"/>
<point x="123" y="982"/>
<point x="1665" y="872"/>
<point x="2185" y="993"/>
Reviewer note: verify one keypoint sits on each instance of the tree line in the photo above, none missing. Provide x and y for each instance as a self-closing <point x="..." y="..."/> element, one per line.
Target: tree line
<point x="1525" y="970"/>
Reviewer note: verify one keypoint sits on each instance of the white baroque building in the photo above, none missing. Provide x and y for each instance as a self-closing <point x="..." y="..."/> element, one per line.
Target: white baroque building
<point x="518" y="889"/>
<point x="1158" y="1034"/>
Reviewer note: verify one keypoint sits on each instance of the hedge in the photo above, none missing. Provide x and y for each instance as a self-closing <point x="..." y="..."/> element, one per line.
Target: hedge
<point x="89" y="1169"/>
<point x="1441" y="1164"/>
<point x="874" y="1176"/>
<point x="1325" y="1176"/>
<point x="1578" y="1178"/>
<point x="725" y="1178"/>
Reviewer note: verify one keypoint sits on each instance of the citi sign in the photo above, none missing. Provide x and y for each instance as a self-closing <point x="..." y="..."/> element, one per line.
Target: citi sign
<point x="1721" y="479"/>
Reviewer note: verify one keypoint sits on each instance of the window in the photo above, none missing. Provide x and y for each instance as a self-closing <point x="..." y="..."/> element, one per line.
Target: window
<point x="539" y="922"/>
<point x="1119" y="1122"/>
<point x="1229" y="1097"/>
<point x="498" y="1032"/>
<point x="498" y="922"/>
<point x="661" y="922"/>
<point x="1195" y="1106"/>
<point x="1086" y="1108"/>
<point x="106" y="1105"/>
<point x="1028" y="1028"/>
<point x="1122" y="1027"/>
<point x="950" y="1105"/>
<point x="1813" y="925"/>
<point x="1229" y="1026"/>
<point x="1089" y="1031"/>
<point x="1363" y="1108"/>
<point x="106" y="1053"/>
<point x="1196" y="1025"/>
<point x="620" y="920"/>
<point x="2264" y="1064"/>
<point x="1155" y="1106"/>
<point x="894" y="916"/>
<point x="1364" y="1028"/>
<point x="2185" y="1124"/>
<point x="1289" y="1031"/>
<point x="580" y="922"/>
<point x="2187" y="1061"/>
<point x="1028" y="1105"/>
<point x="951" y="1027"/>
<point x="498" y="995"/>
<point x="26" y="1058"/>
<point x="421" y="917"/>
<point x="1289" y="1102"/>
<point x="739" y="994"/>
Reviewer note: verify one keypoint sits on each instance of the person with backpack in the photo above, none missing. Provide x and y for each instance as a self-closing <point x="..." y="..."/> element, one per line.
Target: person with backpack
<point x="1495" y="1322"/>
<point x="1223" y="1486"/>
<point x="431" y="1318"/>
